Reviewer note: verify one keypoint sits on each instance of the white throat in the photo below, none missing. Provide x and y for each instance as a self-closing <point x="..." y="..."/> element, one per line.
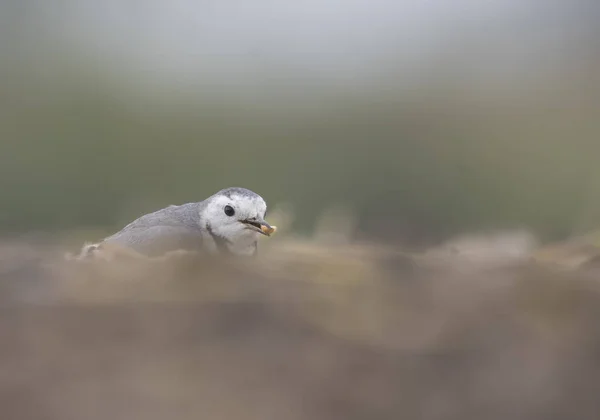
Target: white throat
<point x="242" y="243"/>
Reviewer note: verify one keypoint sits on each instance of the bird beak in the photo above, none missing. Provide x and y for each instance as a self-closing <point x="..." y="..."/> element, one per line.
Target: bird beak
<point x="261" y="226"/>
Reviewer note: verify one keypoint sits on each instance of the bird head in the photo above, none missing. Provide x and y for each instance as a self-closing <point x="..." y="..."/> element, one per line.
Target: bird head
<point x="236" y="216"/>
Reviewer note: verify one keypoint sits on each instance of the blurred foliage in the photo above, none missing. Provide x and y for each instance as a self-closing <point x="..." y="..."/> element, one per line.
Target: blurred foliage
<point x="84" y="146"/>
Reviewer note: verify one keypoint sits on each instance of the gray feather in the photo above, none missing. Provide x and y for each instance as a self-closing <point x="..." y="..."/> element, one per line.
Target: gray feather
<point x="169" y="229"/>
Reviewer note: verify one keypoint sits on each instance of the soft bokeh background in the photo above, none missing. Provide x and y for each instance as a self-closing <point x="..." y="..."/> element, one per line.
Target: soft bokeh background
<point x="425" y="118"/>
<point x="390" y="122"/>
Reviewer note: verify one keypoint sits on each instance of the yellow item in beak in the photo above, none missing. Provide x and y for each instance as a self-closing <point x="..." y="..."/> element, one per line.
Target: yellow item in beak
<point x="268" y="230"/>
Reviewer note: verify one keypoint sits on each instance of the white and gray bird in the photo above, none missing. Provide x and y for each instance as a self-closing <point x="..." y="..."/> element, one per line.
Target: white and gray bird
<point x="228" y="222"/>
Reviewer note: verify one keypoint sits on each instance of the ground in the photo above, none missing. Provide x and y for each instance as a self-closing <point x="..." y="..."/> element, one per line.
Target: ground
<point x="307" y="331"/>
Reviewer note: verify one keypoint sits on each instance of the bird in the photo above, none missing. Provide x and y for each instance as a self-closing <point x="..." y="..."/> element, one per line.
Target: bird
<point x="229" y="222"/>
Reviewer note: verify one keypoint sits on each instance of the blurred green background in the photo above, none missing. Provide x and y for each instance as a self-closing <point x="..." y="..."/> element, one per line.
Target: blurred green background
<point x="427" y="121"/>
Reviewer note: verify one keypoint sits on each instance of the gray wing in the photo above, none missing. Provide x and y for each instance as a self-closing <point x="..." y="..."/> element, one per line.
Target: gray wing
<point x="157" y="240"/>
<point x="169" y="229"/>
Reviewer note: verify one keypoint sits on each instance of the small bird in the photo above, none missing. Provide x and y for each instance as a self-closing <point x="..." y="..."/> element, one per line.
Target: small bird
<point x="228" y="222"/>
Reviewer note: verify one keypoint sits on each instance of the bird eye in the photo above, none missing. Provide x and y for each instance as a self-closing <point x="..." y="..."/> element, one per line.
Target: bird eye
<point x="229" y="211"/>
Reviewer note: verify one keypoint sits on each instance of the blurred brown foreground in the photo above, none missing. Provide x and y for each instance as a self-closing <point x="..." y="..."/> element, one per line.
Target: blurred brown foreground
<point x="305" y="332"/>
